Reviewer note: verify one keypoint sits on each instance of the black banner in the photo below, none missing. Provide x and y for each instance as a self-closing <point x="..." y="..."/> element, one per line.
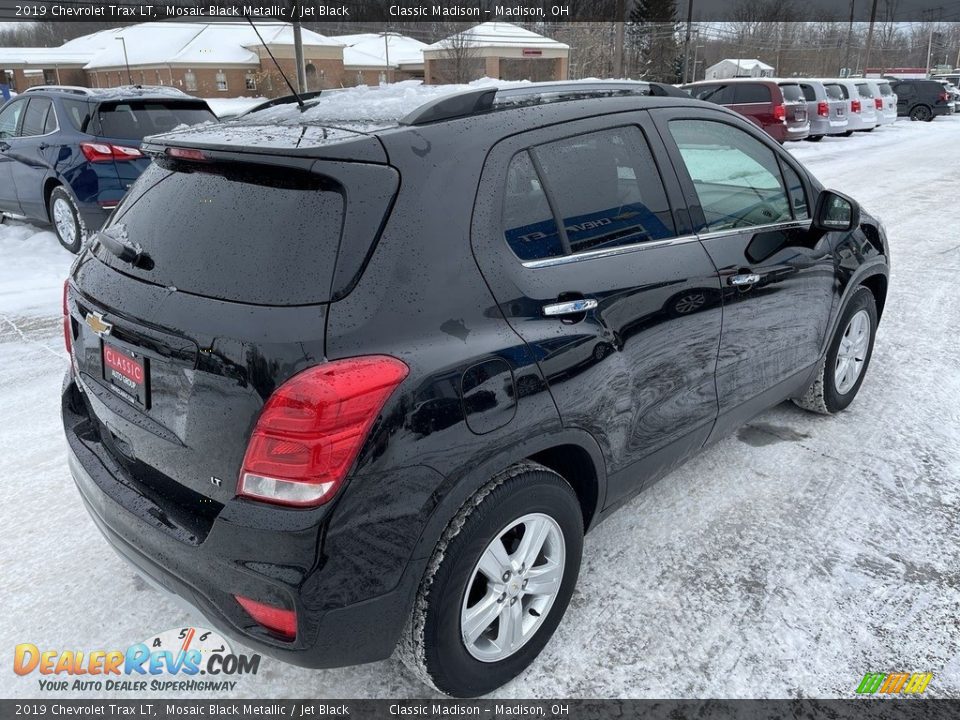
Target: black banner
<point x="854" y="709"/>
<point x="470" y="11"/>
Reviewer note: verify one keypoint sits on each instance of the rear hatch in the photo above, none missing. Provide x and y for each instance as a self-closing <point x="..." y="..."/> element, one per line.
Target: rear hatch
<point x="795" y="104"/>
<point x="123" y="124"/>
<point x="837" y="101"/>
<point x="238" y="257"/>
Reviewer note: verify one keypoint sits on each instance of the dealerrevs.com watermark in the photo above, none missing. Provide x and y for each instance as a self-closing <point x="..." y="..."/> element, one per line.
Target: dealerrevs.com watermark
<point x="180" y="660"/>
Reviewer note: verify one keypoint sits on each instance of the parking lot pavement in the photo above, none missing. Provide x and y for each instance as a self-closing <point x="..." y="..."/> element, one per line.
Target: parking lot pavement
<point x="787" y="560"/>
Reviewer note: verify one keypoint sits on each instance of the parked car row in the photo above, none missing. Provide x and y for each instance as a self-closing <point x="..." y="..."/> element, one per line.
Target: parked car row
<point x="811" y="109"/>
<point x="68" y="155"/>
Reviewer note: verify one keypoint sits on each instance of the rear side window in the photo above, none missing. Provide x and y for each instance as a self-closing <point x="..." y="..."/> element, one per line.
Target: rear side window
<point x="885" y="89"/>
<point x="809" y="94"/>
<point x="136" y="119"/>
<point x="720" y="94"/>
<point x="248" y="234"/>
<point x="751" y="93"/>
<point x="864" y="90"/>
<point x="606" y="189"/>
<point x="836" y="92"/>
<point x="792" y="93"/>
<point x="528" y="222"/>
<point x="78" y="113"/>
<point x="36" y="117"/>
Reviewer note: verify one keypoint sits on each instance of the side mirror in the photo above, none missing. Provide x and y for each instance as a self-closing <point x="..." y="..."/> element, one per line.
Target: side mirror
<point x="835" y="211"/>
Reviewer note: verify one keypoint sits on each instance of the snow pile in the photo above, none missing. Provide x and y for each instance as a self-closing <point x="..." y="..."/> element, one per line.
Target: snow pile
<point x="231" y="107"/>
<point x="32" y="272"/>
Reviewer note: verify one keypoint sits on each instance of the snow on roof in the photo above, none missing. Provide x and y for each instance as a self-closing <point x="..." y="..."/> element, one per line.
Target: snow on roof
<point x="160" y="43"/>
<point x="368" y="50"/>
<point x="747" y="63"/>
<point x="501" y="34"/>
<point x="42" y="55"/>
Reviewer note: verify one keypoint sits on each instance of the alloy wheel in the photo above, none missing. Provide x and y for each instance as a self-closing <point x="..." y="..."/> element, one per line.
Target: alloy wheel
<point x="65" y="223"/>
<point x="852" y="352"/>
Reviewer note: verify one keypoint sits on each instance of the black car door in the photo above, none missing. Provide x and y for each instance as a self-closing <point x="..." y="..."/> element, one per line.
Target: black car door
<point x="751" y="210"/>
<point x="10" y="118"/>
<point x="579" y="233"/>
<point x="30" y="151"/>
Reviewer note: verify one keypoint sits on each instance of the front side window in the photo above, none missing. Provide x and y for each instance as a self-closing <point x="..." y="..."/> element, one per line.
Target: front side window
<point x="798" y="196"/>
<point x="604" y="187"/>
<point x="736" y="177"/>
<point x="10" y="117"/>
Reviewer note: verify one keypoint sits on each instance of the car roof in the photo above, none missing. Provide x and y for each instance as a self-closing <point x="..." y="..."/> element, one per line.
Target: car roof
<point x="287" y="130"/>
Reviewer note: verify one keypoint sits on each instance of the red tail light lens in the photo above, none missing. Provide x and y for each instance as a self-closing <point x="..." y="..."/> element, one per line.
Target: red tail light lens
<point x="312" y="427"/>
<point x="67" y="330"/>
<point x="855" y="106"/>
<point x="280" y="620"/>
<point x="780" y="112"/>
<point x="187" y="154"/>
<point x="944" y="97"/>
<point x="879" y="103"/>
<point x="823" y="110"/>
<point x="105" y="152"/>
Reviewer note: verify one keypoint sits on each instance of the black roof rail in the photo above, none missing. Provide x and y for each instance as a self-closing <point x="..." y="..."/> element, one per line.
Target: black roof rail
<point x="472" y="102"/>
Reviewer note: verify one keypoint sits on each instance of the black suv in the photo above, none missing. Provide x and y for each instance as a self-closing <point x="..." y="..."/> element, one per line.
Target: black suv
<point x="352" y="386"/>
<point x="921" y="99"/>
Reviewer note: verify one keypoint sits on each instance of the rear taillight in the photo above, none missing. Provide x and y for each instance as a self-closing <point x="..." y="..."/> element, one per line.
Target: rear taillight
<point x="780" y="112"/>
<point x="823" y="110"/>
<point x="878" y="103"/>
<point x="312" y="427"/>
<point x="280" y="620"/>
<point x="945" y="97"/>
<point x="67" y="330"/>
<point x="105" y="152"/>
<point x="855" y="106"/>
<point x="187" y="154"/>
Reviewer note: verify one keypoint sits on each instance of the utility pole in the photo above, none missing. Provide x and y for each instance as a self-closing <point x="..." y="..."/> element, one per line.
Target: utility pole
<point x="386" y="53"/>
<point x="618" y="42"/>
<point x="846" y="56"/>
<point x="929" y="48"/>
<point x="873" y="19"/>
<point x="126" y="61"/>
<point x="693" y="75"/>
<point x="298" y="54"/>
<point x="686" y="40"/>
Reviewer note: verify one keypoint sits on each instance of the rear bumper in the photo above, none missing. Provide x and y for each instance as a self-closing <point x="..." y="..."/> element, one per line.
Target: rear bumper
<point x="281" y="565"/>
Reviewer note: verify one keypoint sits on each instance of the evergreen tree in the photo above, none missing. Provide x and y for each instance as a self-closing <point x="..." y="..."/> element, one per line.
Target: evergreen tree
<point x="654" y="41"/>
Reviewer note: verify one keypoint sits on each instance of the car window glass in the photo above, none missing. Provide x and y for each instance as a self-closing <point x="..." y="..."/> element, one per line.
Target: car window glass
<point x="10" y="117"/>
<point x="809" y="94"/>
<point x="864" y="90"/>
<point x="720" y="94"/>
<point x="798" y="196"/>
<point x="606" y="188"/>
<point x="78" y="114"/>
<point x="736" y="177"/>
<point x="35" y="117"/>
<point x="885" y="89"/>
<point x="751" y="93"/>
<point x="791" y="93"/>
<point x="528" y="223"/>
<point x="51" y="124"/>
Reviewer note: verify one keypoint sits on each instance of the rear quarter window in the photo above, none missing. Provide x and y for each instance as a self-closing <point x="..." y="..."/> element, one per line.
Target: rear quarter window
<point x="864" y="90"/>
<point x="836" y="92"/>
<point x="793" y="93"/>
<point x="809" y="94"/>
<point x="885" y="89"/>
<point x="78" y="113"/>
<point x="746" y="93"/>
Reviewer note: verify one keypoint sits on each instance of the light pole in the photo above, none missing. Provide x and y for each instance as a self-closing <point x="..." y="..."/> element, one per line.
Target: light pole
<point x="126" y="61"/>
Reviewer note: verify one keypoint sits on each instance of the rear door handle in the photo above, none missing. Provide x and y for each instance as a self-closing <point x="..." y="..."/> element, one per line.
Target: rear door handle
<point x="744" y="279"/>
<point x="569" y="307"/>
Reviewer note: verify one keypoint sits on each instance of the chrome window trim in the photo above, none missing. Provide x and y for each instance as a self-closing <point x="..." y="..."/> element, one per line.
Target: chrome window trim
<point x="786" y="225"/>
<point x="609" y="252"/>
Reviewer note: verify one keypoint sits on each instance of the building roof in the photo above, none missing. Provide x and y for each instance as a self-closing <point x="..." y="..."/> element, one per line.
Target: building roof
<point x="163" y="43"/>
<point x="368" y="50"/>
<point x="499" y="35"/>
<point x="745" y="63"/>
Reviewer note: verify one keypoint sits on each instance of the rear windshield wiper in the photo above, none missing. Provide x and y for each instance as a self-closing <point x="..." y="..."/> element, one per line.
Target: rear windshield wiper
<point x="114" y="240"/>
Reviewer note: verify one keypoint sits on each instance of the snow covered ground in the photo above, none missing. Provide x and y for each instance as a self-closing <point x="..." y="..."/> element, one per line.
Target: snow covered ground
<point x="788" y="560"/>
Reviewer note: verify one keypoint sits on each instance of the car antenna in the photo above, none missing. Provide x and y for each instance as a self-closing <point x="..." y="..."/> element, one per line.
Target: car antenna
<point x="279" y="69"/>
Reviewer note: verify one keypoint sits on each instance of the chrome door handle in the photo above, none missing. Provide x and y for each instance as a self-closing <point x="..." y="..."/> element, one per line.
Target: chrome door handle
<point x="570" y="307"/>
<point x="747" y="279"/>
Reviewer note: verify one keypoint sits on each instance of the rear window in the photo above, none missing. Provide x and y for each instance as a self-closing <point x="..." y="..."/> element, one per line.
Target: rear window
<point x="792" y="93"/>
<point x="249" y="234"/>
<point x="884" y="89"/>
<point x="809" y="93"/>
<point x="836" y="92"/>
<point x="135" y="119"/>
<point x="864" y="90"/>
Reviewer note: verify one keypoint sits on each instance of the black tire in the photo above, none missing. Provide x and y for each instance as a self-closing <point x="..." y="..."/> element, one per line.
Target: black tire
<point x="60" y="198"/>
<point x="921" y="112"/>
<point x="822" y="396"/>
<point x="815" y="138"/>
<point x="432" y="645"/>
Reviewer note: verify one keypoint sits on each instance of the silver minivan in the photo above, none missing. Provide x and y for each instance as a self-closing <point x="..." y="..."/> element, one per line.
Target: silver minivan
<point x="827" y="110"/>
<point x="861" y="110"/>
<point x="885" y="101"/>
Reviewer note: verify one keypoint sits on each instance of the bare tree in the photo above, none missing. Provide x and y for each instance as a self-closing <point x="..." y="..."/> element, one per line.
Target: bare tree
<point x="459" y="58"/>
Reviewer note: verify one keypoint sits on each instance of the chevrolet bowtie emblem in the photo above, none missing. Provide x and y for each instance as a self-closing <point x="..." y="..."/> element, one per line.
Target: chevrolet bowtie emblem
<point x="96" y="323"/>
